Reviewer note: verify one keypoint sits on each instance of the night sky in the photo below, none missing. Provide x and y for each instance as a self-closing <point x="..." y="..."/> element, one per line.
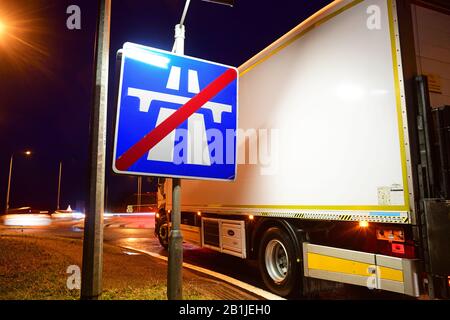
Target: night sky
<point x="46" y="75"/>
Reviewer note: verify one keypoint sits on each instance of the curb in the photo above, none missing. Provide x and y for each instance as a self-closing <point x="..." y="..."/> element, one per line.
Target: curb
<point x="237" y="283"/>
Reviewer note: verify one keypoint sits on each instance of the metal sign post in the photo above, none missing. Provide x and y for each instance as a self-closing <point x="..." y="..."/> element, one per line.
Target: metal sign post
<point x="174" y="270"/>
<point x="91" y="282"/>
<point x="175" y="267"/>
<point x="153" y="108"/>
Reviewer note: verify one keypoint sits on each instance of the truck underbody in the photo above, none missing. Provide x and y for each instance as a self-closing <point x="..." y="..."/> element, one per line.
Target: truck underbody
<point x="287" y="249"/>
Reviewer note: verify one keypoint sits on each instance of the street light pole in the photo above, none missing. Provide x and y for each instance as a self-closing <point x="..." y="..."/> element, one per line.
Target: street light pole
<point x="9" y="183"/>
<point x="59" y="185"/>
<point x="91" y="281"/>
<point x="8" y="190"/>
<point x="139" y="194"/>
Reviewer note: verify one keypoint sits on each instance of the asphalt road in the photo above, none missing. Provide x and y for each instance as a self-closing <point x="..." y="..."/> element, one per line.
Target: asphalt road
<point x="137" y="233"/>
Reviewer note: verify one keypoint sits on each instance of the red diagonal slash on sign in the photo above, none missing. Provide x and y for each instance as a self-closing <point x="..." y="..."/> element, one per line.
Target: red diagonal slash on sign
<point x="152" y="138"/>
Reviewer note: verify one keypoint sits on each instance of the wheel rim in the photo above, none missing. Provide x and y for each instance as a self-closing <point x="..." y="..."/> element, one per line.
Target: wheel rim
<point x="163" y="231"/>
<point x="276" y="260"/>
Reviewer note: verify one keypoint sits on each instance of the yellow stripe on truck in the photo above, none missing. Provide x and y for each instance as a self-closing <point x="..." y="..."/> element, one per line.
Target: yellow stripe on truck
<point x="391" y="274"/>
<point x="333" y="264"/>
<point x="327" y="263"/>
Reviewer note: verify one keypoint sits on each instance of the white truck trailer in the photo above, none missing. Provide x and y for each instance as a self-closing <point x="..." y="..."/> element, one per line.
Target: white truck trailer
<point x="336" y="161"/>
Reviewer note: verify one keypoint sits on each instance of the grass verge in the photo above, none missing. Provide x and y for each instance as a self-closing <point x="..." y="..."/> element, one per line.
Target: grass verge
<point x="33" y="268"/>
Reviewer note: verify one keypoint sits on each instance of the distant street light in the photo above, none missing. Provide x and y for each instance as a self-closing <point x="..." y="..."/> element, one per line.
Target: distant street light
<point x="8" y="190"/>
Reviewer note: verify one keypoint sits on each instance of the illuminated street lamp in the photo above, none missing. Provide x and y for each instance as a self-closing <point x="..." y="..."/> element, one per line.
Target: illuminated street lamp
<point x="8" y="190"/>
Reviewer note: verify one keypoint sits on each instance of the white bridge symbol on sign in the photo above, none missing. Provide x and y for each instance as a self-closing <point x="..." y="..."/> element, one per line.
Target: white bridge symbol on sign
<point x="197" y="140"/>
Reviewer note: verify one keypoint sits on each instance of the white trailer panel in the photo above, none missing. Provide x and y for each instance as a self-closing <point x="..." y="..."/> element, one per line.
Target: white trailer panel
<point x="328" y="96"/>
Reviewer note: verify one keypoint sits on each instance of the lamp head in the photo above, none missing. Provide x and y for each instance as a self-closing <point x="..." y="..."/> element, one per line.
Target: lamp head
<point x="229" y="3"/>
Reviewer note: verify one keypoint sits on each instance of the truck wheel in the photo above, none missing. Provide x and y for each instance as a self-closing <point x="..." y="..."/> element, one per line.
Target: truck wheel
<point x="163" y="233"/>
<point x="277" y="262"/>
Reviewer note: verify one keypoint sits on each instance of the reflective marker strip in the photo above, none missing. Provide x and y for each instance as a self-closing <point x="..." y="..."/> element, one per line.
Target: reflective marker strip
<point x="391" y="274"/>
<point x="333" y="216"/>
<point x="327" y="263"/>
<point x="333" y="264"/>
<point x="385" y="214"/>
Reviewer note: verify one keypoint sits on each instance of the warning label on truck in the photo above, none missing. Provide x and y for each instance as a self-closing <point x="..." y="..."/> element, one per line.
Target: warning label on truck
<point x="392" y="195"/>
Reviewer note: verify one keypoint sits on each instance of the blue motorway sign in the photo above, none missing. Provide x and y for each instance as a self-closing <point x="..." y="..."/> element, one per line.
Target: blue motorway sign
<point x="176" y="116"/>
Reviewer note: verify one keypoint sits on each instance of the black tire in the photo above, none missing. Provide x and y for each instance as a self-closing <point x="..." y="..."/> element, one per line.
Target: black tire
<point x="163" y="233"/>
<point x="281" y="278"/>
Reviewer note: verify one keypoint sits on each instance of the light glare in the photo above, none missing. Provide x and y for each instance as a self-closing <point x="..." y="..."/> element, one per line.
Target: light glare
<point x="363" y="224"/>
<point x="27" y="220"/>
<point x="146" y="57"/>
